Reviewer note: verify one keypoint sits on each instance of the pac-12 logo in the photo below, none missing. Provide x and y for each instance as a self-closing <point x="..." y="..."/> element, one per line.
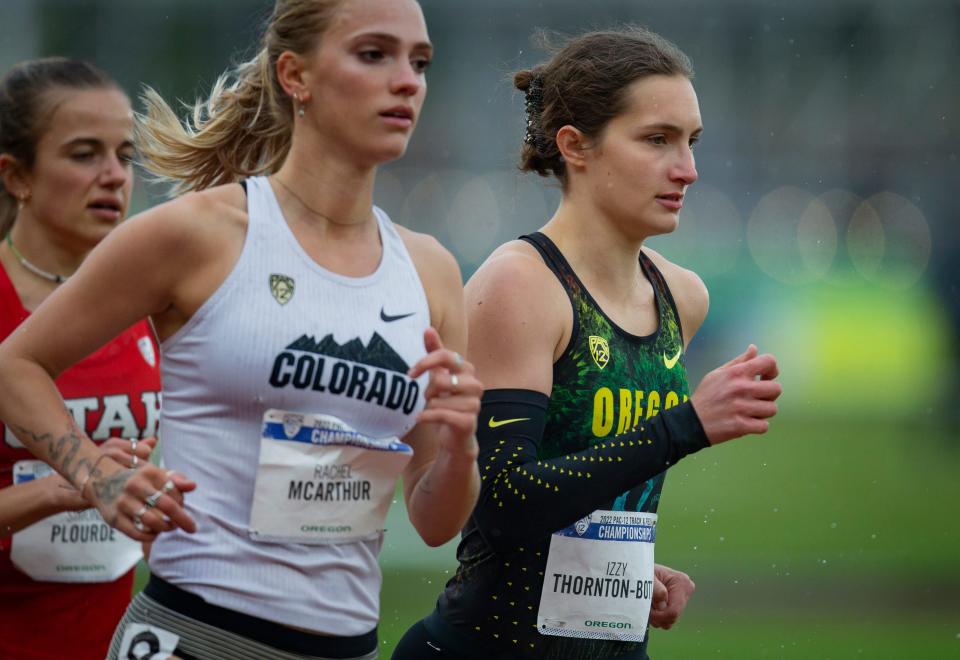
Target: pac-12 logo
<point x="292" y="424"/>
<point x="582" y="525"/>
<point x="600" y="350"/>
<point x="282" y="288"/>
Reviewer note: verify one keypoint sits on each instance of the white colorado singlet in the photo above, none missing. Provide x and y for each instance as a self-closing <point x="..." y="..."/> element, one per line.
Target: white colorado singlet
<point x="283" y="333"/>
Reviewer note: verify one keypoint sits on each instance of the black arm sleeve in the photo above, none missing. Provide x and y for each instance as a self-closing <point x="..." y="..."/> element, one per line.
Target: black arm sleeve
<point x="523" y="498"/>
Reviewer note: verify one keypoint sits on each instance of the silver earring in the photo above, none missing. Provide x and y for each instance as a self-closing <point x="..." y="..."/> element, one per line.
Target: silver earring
<point x="301" y="112"/>
<point x="299" y="104"/>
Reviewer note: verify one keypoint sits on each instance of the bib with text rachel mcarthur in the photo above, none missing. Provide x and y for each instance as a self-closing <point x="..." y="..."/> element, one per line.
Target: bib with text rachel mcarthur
<point x="321" y="481"/>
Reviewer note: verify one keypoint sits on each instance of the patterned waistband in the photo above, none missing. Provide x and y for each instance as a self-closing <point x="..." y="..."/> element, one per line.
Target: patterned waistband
<point x="265" y="632"/>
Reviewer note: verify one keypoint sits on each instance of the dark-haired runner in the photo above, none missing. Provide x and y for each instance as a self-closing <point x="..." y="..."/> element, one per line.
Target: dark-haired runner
<point x="66" y="162"/>
<point x="579" y="334"/>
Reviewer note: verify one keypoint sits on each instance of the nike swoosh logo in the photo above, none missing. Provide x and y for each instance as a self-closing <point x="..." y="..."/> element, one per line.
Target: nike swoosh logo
<point x="386" y="318"/>
<point x="671" y="363"/>
<point x="494" y="423"/>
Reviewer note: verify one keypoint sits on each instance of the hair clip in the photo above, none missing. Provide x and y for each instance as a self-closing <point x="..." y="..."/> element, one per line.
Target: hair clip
<point x="534" y="106"/>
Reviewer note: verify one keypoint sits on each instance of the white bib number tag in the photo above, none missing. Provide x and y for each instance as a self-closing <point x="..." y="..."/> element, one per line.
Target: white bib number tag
<point x="320" y="481"/>
<point x="145" y="642"/>
<point x="598" y="583"/>
<point x="74" y="546"/>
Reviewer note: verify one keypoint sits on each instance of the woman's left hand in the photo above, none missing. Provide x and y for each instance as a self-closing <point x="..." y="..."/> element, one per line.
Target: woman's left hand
<point x="453" y="395"/>
<point x="671" y="591"/>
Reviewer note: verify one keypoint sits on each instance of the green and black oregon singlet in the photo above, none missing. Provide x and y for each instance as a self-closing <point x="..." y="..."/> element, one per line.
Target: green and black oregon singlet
<point x="606" y="383"/>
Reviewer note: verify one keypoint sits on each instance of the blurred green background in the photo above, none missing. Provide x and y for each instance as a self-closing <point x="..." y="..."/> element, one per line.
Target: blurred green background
<point x="825" y="224"/>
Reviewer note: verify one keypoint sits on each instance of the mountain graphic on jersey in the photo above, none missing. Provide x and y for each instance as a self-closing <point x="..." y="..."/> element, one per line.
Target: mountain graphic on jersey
<point x="378" y="353"/>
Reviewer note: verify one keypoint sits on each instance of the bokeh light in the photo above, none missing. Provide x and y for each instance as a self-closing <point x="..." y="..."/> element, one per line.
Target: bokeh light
<point x="474" y="220"/>
<point x="792" y="236"/>
<point x="523" y="202"/>
<point x="889" y="241"/>
<point x="428" y="201"/>
<point x="389" y="192"/>
<point x="710" y="236"/>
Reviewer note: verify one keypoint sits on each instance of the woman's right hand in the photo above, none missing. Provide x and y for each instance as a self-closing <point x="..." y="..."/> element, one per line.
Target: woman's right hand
<point x="738" y="398"/>
<point x="452" y="397"/>
<point x="129" y="452"/>
<point x="141" y="503"/>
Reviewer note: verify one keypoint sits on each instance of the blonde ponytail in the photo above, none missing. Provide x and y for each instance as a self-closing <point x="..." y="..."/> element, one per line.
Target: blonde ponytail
<point x="242" y="130"/>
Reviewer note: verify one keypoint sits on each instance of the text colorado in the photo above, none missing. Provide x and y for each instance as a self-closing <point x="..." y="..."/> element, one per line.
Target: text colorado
<point x="356" y="381"/>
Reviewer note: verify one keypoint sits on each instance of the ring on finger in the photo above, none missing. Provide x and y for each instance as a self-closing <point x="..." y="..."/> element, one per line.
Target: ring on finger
<point x="457" y="358"/>
<point x="454" y="381"/>
<point x="168" y="487"/>
<point x="138" y="519"/>
<point x="152" y="499"/>
<point x="134" y="461"/>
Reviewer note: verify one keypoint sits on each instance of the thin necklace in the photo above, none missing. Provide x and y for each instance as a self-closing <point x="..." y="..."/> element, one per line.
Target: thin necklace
<point x="300" y="199"/>
<point x="53" y="277"/>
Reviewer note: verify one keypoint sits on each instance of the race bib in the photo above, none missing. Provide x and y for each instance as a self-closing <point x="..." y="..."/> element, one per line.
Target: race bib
<point x="320" y="481"/>
<point x="598" y="583"/>
<point x="145" y="642"/>
<point x="74" y="546"/>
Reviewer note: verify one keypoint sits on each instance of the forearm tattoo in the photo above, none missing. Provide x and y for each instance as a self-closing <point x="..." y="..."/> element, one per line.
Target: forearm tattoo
<point x="65" y="446"/>
<point x="62" y="451"/>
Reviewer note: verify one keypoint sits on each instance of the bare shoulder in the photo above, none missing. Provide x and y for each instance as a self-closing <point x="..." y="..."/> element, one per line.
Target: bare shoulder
<point x="515" y="274"/>
<point x="519" y="319"/>
<point x="196" y="223"/>
<point x="689" y="292"/>
<point x="428" y="254"/>
<point x="184" y="249"/>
